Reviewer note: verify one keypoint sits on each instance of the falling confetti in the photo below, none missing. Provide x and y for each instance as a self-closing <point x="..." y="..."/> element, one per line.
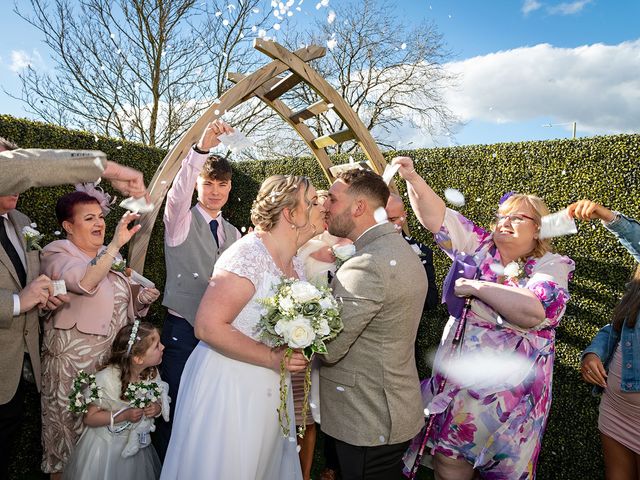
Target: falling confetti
<point x="330" y="105"/>
<point x="331" y="43"/>
<point x="57" y="233"/>
<point x="243" y="229"/>
<point x="403" y="46"/>
<point x="381" y="438"/>
<point x="195" y="275"/>
<point x="225" y="22"/>
<point x="276" y="26"/>
<point x="393" y="263"/>
<point x="454" y="197"/>
<point x="331" y="17"/>
<point x="119" y="147"/>
<point x="380" y="215"/>
<point x="340" y="388"/>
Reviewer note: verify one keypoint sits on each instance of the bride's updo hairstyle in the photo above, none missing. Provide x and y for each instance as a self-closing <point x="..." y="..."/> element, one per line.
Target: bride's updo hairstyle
<point x="277" y="193"/>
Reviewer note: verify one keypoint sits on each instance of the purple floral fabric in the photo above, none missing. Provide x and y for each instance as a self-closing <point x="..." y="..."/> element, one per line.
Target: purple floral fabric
<point x="497" y="428"/>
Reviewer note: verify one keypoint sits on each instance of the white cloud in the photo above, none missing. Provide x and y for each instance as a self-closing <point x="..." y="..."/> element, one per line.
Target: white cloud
<point x="21" y="60"/>
<point x="530" y="5"/>
<point x="568" y="8"/>
<point x="597" y="86"/>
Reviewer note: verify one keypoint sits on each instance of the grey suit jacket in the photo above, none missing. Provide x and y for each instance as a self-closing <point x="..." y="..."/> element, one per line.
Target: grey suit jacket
<point x="20" y="333"/>
<point x="369" y="386"/>
<point x="33" y="167"/>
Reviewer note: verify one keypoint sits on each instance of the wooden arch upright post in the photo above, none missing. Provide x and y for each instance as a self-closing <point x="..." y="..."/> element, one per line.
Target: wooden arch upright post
<point x="266" y="84"/>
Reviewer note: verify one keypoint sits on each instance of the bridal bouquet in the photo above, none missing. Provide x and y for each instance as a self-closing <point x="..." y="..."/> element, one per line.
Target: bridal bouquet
<point x="84" y="392"/>
<point x="300" y="316"/>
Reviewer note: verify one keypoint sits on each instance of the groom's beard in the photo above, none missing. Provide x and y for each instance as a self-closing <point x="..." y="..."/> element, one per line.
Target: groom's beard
<point x="341" y="225"/>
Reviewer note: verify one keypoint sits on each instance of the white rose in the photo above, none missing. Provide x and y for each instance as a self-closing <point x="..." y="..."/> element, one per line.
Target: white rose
<point x="512" y="270"/>
<point x="344" y="252"/>
<point x="286" y="303"/>
<point x="281" y="327"/>
<point x="327" y="303"/>
<point x="323" y="328"/>
<point x="300" y="333"/>
<point x="304" y="292"/>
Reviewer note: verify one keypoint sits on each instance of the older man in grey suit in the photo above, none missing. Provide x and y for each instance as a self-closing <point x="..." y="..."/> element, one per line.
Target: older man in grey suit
<point x="369" y="388"/>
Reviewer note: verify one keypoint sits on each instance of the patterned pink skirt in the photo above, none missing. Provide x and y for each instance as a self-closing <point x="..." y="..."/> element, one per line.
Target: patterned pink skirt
<point x="64" y="352"/>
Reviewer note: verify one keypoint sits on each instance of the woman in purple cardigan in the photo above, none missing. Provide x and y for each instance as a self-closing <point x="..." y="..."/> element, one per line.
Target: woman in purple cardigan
<point x="79" y="335"/>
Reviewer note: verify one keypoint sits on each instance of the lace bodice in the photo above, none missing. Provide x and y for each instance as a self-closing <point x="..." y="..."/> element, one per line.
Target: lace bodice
<point x="250" y="259"/>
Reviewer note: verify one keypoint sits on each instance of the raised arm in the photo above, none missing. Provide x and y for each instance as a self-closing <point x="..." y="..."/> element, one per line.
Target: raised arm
<point x="177" y="211"/>
<point x="427" y="205"/>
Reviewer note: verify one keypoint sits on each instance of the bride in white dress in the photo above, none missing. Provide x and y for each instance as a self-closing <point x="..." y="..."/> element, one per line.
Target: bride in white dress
<point x="226" y="426"/>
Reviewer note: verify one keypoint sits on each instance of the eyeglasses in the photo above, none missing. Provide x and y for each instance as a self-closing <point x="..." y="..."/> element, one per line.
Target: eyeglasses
<point x="514" y="218"/>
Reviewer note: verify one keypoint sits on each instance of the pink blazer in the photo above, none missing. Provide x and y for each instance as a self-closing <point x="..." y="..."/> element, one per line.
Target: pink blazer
<point x="90" y="312"/>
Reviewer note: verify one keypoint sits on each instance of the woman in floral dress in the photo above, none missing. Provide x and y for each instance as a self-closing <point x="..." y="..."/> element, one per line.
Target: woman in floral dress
<point x="517" y="298"/>
<point x="79" y="335"/>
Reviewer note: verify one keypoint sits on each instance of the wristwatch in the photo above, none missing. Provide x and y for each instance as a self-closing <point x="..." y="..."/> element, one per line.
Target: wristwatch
<point x="197" y="150"/>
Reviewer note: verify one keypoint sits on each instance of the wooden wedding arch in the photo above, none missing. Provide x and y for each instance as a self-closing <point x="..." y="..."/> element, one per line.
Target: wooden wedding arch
<point x="286" y="70"/>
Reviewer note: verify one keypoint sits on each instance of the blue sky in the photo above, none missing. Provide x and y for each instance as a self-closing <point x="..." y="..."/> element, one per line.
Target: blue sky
<point x="521" y="64"/>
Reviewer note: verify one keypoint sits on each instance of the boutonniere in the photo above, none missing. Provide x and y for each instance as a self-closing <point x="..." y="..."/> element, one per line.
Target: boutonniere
<point x="119" y="265"/>
<point x="514" y="270"/>
<point x="32" y="237"/>
<point x="343" y="253"/>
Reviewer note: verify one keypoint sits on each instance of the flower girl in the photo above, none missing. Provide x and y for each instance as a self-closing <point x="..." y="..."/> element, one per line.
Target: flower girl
<point x="117" y="444"/>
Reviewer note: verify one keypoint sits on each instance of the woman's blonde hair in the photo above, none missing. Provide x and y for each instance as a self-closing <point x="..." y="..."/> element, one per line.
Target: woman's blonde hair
<point x="539" y="210"/>
<point x="277" y="193"/>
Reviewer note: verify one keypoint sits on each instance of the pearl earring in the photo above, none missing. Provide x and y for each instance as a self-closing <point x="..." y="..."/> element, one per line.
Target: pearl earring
<point x="292" y="226"/>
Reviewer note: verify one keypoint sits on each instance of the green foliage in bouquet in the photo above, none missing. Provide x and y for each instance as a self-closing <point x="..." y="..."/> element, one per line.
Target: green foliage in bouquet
<point x="142" y="394"/>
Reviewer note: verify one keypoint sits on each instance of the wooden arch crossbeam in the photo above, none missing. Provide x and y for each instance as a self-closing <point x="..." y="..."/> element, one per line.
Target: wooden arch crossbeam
<point x="267" y="85"/>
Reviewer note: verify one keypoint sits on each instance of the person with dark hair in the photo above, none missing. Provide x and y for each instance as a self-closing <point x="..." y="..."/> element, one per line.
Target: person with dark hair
<point x="397" y="215"/>
<point x="226" y="423"/>
<point x="369" y="387"/>
<point x="102" y="300"/>
<point x="612" y="361"/>
<point x="22" y="293"/>
<point x="23" y="168"/>
<point x="105" y="450"/>
<point x="194" y="239"/>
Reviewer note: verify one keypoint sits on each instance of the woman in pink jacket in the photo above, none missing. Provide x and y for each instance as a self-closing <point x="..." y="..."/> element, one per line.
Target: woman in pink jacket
<point x="79" y="335"/>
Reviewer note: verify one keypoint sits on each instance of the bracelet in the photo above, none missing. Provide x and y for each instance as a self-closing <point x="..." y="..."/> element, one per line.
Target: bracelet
<point x="197" y="150"/>
<point x="109" y="253"/>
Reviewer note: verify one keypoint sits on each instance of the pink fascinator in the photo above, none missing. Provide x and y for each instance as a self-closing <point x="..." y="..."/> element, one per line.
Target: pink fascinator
<point x="104" y="199"/>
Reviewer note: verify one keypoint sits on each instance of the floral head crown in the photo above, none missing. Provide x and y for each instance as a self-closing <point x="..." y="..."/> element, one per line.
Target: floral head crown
<point x="134" y="335"/>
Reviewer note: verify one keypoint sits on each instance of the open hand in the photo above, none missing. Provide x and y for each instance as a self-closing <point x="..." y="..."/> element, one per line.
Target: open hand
<point x="123" y="233"/>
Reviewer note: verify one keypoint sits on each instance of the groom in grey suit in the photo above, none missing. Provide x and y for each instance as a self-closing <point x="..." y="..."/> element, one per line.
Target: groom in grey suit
<point x="370" y="398"/>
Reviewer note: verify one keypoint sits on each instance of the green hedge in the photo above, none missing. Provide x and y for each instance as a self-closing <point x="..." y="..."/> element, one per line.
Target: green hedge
<point x="604" y="169"/>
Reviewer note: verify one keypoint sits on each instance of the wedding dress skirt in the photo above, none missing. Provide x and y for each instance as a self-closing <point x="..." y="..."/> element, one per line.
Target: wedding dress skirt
<point x="227" y="427"/>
